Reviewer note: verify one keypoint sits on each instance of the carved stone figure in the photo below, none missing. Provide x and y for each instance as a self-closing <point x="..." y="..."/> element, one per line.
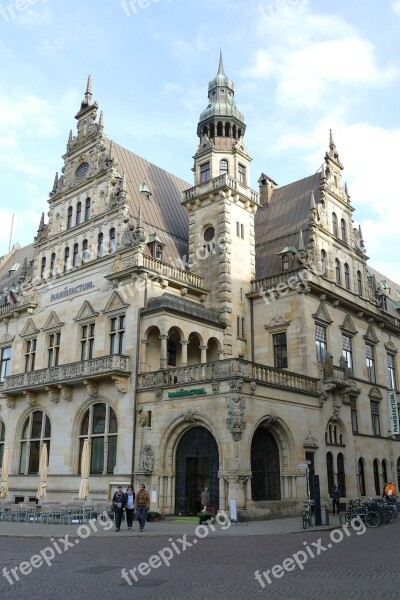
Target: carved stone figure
<point x="146" y="462"/>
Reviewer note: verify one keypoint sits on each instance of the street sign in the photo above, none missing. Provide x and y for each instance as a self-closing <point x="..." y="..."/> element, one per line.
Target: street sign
<point x="303" y="466"/>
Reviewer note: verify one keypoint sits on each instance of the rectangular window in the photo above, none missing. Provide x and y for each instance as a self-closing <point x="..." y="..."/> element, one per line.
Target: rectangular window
<point x="242" y="174"/>
<point x="5" y="363"/>
<point x="353" y="410"/>
<point x="53" y="351"/>
<point x="391" y="372"/>
<point x="243" y="327"/>
<point x="238" y="326"/>
<point x="242" y="231"/>
<point x="205" y="173"/>
<point x="117" y="335"/>
<point x="370" y="360"/>
<point x="376" y="428"/>
<point x="320" y="341"/>
<point x="87" y="341"/>
<point x="280" y="350"/>
<point x="238" y="228"/>
<point x="347" y="353"/>
<point x="30" y="353"/>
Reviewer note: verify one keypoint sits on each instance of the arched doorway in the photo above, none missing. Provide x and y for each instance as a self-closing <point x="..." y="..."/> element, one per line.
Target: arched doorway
<point x="265" y="467"/>
<point x="197" y="464"/>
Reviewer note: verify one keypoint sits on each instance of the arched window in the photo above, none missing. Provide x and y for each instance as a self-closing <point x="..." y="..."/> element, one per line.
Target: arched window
<point x="69" y="218"/>
<point x="359" y="283"/>
<point x="53" y="264"/>
<point x="223" y="166"/>
<point x="219" y="129"/>
<point x="323" y="263"/>
<point x="384" y="471"/>
<point x="338" y="272"/>
<point x="334" y="224"/>
<point x="239" y="133"/>
<point x="329" y="471"/>
<point x="341" y="475"/>
<point x="66" y="259"/>
<point x="347" y="276"/>
<point x="112" y="241"/>
<point x="343" y="231"/>
<point x="2" y="438"/>
<point x="361" y="476"/>
<point x="100" y="427"/>
<point x="171" y="353"/>
<point x="43" y="268"/>
<point x="85" y="251"/>
<point x="205" y="131"/>
<point x="75" y="255"/>
<point x="376" y="477"/>
<point x="36" y="431"/>
<point x="212" y="130"/>
<point x="227" y="129"/>
<point x="234" y="131"/>
<point x="100" y="245"/>
<point x="87" y="209"/>
<point x="78" y="216"/>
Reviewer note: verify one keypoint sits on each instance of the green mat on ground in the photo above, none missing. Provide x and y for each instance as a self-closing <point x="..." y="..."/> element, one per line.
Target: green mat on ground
<point x="187" y="519"/>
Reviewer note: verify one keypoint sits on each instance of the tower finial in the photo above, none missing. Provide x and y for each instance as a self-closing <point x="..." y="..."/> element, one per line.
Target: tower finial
<point x="331" y="142"/>
<point x="221" y="64"/>
<point x="101" y="120"/>
<point x="89" y="86"/>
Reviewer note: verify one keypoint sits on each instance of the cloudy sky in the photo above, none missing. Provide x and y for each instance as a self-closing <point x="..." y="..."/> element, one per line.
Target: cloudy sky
<point x="300" y="67"/>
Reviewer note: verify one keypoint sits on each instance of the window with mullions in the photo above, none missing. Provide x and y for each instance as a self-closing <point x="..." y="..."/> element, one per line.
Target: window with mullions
<point x="69" y="218"/>
<point x="242" y="173"/>
<point x="53" y="351"/>
<point x="53" y="264"/>
<point x="334" y="225"/>
<point x="353" y="413"/>
<point x="30" y="354"/>
<point x="205" y="172"/>
<point x="78" y="217"/>
<point x="347" y="276"/>
<point x="391" y="372"/>
<point x="376" y="427"/>
<point x="370" y="360"/>
<point x="348" y="352"/>
<point x="75" y="255"/>
<point x="35" y="433"/>
<point x="323" y="263"/>
<point x="43" y="268"/>
<point x="5" y="363"/>
<point x="280" y="350"/>
<point x="223" y="166"/>
<point x="87" y="209"/>
<point x="359" y="284"/>
<point x="87" y="341"/>
<point x="338" y="273"/>
<point x="66" y="259"/>
<point x="320" y="341"/>
<point x="117" y="335"/>
<point x="113" y="245"/>
<point x="100" y="427"/>
<point x="100" y="245"/>
<point x="343" y="230"/>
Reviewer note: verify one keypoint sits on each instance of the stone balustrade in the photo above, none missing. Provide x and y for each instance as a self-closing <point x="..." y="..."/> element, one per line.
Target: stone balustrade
<point x="171" y="272"/>
<point x="226" y="369"/>
<point x="221" y="182"/>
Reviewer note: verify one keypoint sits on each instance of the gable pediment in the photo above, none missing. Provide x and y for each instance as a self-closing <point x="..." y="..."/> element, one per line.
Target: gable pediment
<point x="348" y="326"/>
<point x="375" y="394"/>
<point x="86" y="313"/>
<point x="29" y="329"/>
<point x="115" y="305"/>
<point x="322" y="315"/>
<point x="53" y="322"/>
<point x="371" y="336"/>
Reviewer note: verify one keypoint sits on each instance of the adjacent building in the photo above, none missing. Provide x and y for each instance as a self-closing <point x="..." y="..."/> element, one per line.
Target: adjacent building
<point x="199" y="336"/>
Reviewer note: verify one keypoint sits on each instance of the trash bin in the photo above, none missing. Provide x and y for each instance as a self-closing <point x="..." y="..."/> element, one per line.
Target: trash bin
<point x="324" y="515"/>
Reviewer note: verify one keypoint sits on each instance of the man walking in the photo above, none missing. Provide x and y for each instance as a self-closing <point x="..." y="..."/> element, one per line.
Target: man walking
<point x="142" y="504"/>
<point x="335" y="499"/>
<point x="119" y="501"/>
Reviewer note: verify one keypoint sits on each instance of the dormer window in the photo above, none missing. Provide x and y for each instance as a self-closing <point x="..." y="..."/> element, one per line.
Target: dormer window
<point x="156" y="246"/>
<point x="285" y="262"/>
<point x="159" y="252"/>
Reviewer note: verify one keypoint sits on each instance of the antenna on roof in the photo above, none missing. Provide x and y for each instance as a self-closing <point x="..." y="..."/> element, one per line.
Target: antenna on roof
<point x="12" y="223"/>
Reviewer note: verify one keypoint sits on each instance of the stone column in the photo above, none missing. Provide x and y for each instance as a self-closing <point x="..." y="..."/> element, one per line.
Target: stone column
<point x="222" y="499"/>
<point x="236" y="489"/>
<point x="169" y="492"/>
<point x="164" y="351"/>
<point x="143" y="356"/>
<point x="203" y="350"/>
<point x="184" y="344"/>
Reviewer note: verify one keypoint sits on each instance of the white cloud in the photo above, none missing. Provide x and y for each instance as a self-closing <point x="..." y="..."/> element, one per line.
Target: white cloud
<point x="395" y="6"/>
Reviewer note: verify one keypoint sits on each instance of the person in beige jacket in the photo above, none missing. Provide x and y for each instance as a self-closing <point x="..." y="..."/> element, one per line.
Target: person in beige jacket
<point x="142" y="505"/>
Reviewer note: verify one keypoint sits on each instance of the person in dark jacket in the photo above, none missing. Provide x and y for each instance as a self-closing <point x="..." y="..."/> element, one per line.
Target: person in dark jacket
<point x="119" y="502"/>
<point x="129" y="506"/>
<point x="335" y="495"/>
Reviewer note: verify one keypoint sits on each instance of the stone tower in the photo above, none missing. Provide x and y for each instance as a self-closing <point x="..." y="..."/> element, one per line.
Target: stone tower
<point x="221" y="208"/>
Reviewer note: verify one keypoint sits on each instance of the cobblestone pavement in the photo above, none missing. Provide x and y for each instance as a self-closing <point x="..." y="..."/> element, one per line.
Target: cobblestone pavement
<point x="336" y="565"/>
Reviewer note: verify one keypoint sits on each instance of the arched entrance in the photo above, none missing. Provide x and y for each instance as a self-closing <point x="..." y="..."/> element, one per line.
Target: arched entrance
<point x="197" y="464"/>
<point x="265" y="466"/>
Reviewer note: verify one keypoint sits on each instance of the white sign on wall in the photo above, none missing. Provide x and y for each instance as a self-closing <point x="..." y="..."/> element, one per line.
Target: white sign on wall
<point x="233" y="510"/>
<point x="393" y="413"/>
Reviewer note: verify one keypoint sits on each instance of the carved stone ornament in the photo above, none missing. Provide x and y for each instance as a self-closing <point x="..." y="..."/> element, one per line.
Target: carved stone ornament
<point x="336" y="412"/>
<point x="235" y="420"/>
<point x="189" y="416"/>
<point x="270" y="419"/>
<point x="146" y="462"/>
<point x="31" y="397"/>
<point x="158" y="394"/>
<point x="10" y="402"/>
<point x="215" y="386"/>
<point x="66" y="392"/>
<point x="310" y="441"/>
<point x="236" y="384"/>
<point x="53" y="394"/>
<point x="91" y="386"/>
<point x="253" y="387"/>
<point x="143" y="421"/>
<point x="121" y="383"/>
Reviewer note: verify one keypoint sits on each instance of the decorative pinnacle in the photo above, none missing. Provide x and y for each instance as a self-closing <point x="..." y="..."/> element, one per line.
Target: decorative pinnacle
<point x="301" y="241"/>
<point x="312" y="201"/>
<point x="221" y="64"/>
<point x="89" y="86"/>
<point x="101" y="121"/>
<point x="331" y="142"/>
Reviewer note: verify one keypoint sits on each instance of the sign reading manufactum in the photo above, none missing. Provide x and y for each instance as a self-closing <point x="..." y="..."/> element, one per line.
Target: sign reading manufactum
<point x="180" y="393"/>
<point x="393" y="413"/>
<point x="71" y="291"/>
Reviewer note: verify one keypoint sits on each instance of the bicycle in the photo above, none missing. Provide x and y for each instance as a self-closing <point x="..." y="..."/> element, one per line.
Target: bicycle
<point x="306" y="515"/>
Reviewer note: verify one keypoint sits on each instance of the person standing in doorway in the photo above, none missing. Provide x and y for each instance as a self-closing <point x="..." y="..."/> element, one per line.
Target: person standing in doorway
<point x="142" y="505"/>
<point x="335" y="499"/>
<point x="119" y="501"/>
<point x="130" y="506"/>
<point x="205" y="499"/>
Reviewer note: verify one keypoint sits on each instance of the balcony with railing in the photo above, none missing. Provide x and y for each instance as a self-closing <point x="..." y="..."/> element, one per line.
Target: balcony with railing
<point x="222" y="182"/>
<point x="228" y="368"/>
<point x="114" y="367"/>
<point x="172" y="272"/>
